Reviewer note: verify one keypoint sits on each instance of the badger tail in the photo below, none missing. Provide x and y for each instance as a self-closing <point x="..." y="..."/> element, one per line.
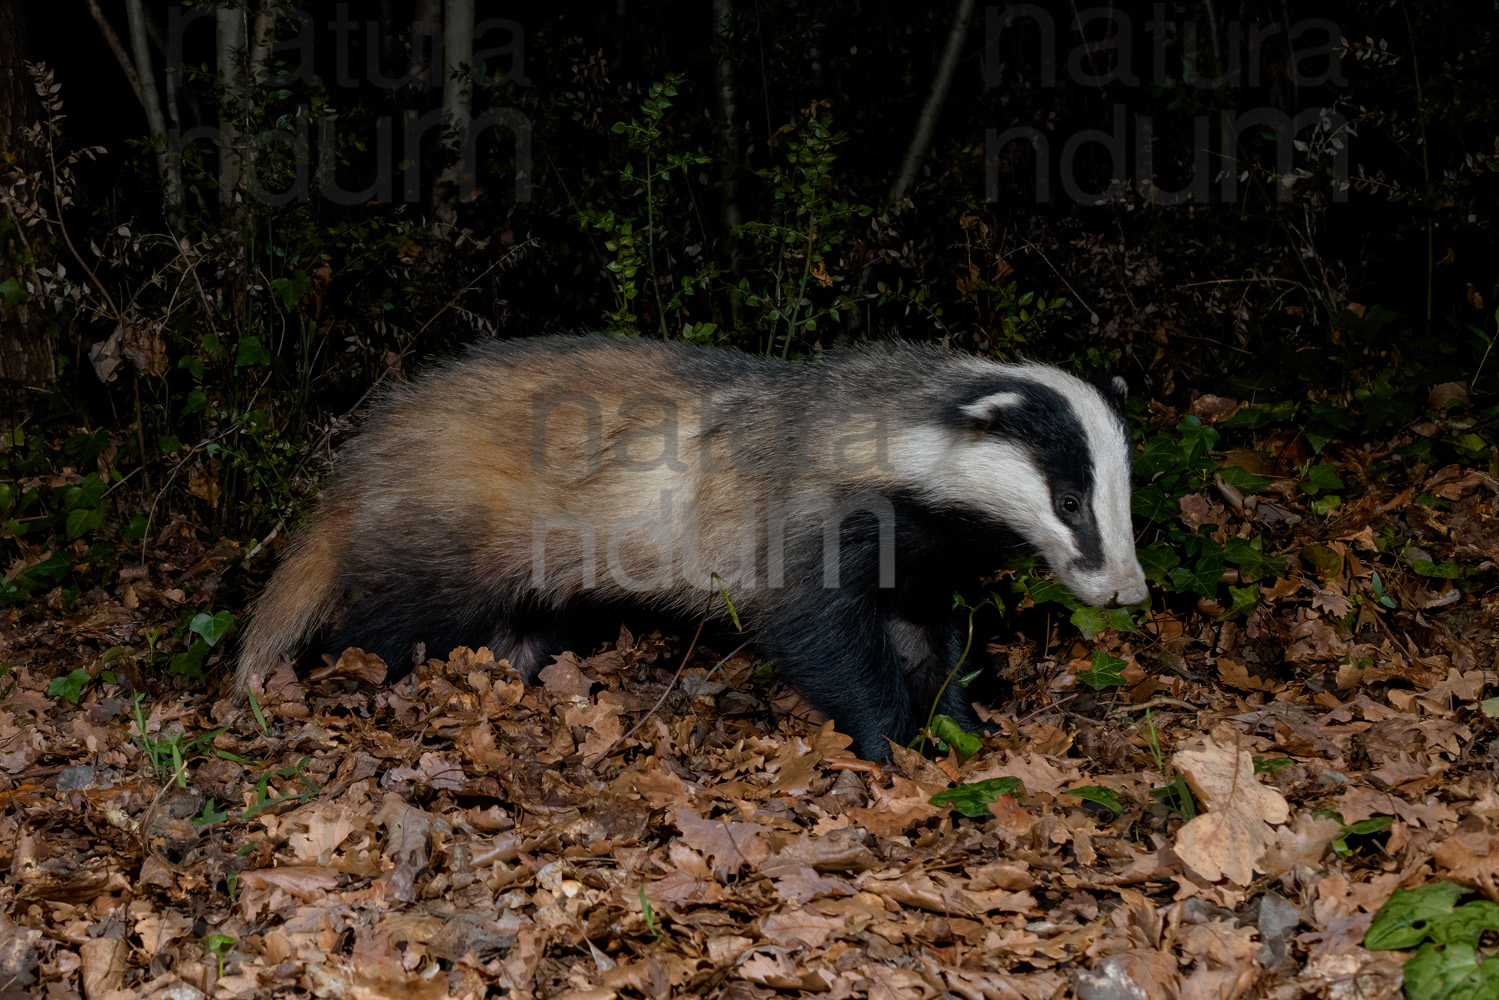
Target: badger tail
<point x="302" y="594"/>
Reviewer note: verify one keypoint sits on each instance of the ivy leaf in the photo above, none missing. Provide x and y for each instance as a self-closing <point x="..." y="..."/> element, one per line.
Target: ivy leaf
<point x="1106" y="672"/>
<point x="251" y="352"/>
<point x="69" y="686"/>
<point x="1450" y="972"/>
<point x="1158" y="560"/>
<point x="1249" y="556"/>
<point x="972" y="800"/>
<point x="212" y="627"/>
<point x="1319" y="478"/>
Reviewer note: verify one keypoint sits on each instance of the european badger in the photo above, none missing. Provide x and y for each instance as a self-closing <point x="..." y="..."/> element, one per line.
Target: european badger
<point x="504" y="497"/>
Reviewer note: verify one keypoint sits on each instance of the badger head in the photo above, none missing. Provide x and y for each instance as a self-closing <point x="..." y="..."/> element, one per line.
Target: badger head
<point x="1048" y="455"/>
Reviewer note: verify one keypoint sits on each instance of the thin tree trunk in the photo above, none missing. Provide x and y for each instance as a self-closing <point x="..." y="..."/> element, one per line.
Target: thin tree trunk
<point x="166" y="163"/>
<point x="122" y="55"/>
<point x="457" y="107"/>
<point x="231" y="51"/>
<point x="26" y="367"/>
<point x="264" y="33"/>
<point x="426" y="29"/>
<point x="728" y="158"/>
<point x="935" y="99"/>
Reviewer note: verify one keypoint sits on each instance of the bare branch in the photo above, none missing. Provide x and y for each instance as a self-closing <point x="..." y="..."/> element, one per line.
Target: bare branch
<point x="118" y="47"/>
<point x="935" y="99"/>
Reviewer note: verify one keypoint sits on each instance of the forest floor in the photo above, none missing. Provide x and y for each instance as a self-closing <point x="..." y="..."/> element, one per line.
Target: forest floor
<point x="1222" y="820"/>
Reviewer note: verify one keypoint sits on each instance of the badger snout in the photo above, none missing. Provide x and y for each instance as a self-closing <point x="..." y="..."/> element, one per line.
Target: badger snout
<point x="1111" y="593"/>
<point x="1131" y="593"/>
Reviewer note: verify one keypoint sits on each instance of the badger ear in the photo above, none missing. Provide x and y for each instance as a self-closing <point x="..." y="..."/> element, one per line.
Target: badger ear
<point x="992" y="412"/>
<point x="1121" y="387"/>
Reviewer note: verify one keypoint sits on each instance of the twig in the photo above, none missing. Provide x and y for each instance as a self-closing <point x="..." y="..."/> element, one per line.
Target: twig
<point x="1158" y="702"/>
<point x="935" y="99"/>
<point x="691" y="648"/>
<point x="411" y="345"/>
<point x="118" y="47"/>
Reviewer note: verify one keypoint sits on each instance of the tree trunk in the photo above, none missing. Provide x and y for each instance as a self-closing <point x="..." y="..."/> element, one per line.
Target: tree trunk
<point x="728" y="154"/>
<point x="426" y="34"/>
<point x="457" y="107"/>
<point x="230" y="35"/>
<point x="156" y="121"/>
<point x="26" y="367"/>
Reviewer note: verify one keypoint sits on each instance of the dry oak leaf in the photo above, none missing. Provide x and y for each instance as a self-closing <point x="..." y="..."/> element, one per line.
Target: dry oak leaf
<point x="1303" y="844"/>
<point x="792" y="925"/>
<point x="940" y="892"/>
<point x="1471" y="857"/>
<point x="1234" y="832"/>
<point x="726" y="844"/>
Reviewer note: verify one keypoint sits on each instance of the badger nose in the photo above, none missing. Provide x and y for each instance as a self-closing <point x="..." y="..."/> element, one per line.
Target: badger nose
<point x="1128" y="597"/>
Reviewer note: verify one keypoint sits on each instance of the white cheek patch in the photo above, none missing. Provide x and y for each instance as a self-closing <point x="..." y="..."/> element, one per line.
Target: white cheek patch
<point x="990" y="475"/>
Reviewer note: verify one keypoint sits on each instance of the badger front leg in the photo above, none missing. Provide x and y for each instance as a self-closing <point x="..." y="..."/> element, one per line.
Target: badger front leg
<point x="930" y="651"/>
<point x="841" y="659"/>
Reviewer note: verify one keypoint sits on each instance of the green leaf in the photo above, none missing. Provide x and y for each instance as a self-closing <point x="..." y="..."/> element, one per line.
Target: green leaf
<point x="1440" y="571"/>
<point x="12" y="293"/>
<point x="136" y="529"/>
<point x="1450" y="972"/>
<point x="69" y="686"/>
<point x="86" y="494"/>
<point x="1106" y="672"/>
<point x="1158" y="560"/>
<point x="194" y="402"/>
<point x="1318" y="478"/>
<point x="251" y="352"/>
<point x="1373" y="824"/>
<point x="1406" y="918"/>
<point x="1322" y="506"/>
<point x="1090" y="621"/>
<point x="1269" y="765"/>
<point x="947" y="731"/>
<point x="291" y="291"/>
<point x="190" y="663"/>
<point x="972" y="800"/>
<point x="80" y="521"/>
<point x="1242" y="479"/>
<point x="1201" y="579"/>
<point x="1105" y="797"/>
<point x="1197" y="438"/>
<point x="1249" y="556"/>
<point x="212" y="627"/>
<point x="1242" y="600"/>
<point x="1048" y="589"/>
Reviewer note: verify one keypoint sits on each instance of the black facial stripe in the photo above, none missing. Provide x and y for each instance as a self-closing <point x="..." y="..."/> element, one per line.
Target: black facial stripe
<point x="1045" y="424"/>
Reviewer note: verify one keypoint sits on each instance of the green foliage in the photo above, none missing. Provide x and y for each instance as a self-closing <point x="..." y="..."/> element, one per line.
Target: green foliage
<point x="219" y="946"/>
<point x="947" y="733"/>
<point x="1447" y="964"/>
<point x="973" y="799"/>
<point x="1099" y="795"/>
<point x="69" y="686"/>
<point x="649" y="913"/>
<point x="793" y="253"/>
<point x="1363" y="828"/>
<point x="169" y="753"/>
<point x="1106" y="672"/>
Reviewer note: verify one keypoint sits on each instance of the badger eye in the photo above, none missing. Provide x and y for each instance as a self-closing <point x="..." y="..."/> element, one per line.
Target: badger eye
<point x="1070" y="505"/>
